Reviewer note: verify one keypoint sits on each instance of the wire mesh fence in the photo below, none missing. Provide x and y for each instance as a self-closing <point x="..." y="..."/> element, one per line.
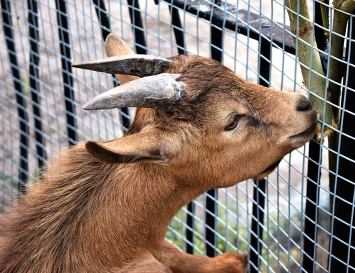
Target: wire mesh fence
<point x="299" y="218"/>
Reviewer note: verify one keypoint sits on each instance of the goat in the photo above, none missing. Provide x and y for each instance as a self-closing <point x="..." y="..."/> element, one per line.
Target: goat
<point x="105" y="206"/>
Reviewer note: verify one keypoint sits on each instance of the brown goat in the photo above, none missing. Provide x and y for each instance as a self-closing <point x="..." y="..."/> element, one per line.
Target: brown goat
<point x="105" y="207"/>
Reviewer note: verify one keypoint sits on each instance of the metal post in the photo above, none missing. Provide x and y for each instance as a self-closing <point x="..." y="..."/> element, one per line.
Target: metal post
<point x="180" y="41"/>
<point x="178" y="30"/>
<point x="257" y="223"/>
<point x="63" y="30"/>
<point x="342" y="253"/>
<point x="137" y="26"/>
<point x="105" y="27"/>
<point x="20" y="96"/>
<point x="212" y="195"/>
<point x="190" y="222"/>
<point x="34" y="86"/>
<point x="312" y="202"/>
<point x="310" y="233"/>
<point x="102" y="16"/>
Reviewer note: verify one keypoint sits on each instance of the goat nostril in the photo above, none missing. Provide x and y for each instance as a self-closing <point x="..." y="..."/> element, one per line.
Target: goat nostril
<point x="304" y="105"/>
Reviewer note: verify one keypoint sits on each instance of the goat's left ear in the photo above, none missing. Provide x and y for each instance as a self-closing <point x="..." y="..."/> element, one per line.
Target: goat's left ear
<point x="139" y="147"/>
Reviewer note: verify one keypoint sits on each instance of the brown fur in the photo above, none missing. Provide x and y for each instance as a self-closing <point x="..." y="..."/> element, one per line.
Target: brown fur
<point x="105" y="207"/>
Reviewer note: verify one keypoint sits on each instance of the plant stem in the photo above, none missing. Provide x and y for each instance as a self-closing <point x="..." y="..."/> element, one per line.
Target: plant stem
<point x="309" y="58"/>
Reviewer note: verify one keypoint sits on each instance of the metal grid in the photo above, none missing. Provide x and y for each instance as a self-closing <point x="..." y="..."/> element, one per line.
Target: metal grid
<point x="286" y="222"/>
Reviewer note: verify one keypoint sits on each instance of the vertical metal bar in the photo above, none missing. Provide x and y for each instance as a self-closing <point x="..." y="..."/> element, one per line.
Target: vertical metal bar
<point x="20" y="101"/>
<point x="137" y="26"/>
<point x="257" y="222"/>
<point x="257" y="225"/>
<point x="212" y="195"/>
<point x="313" y="172"/>
<point x="216" y="38"/>
<point x="102" y="16"/>
<point x="312" y="202"/>
<point x="342" y="254"/>
<point x="180" y="41"/>
<point x="33" y="81"/>
<point x="105" y="27"/>
<point x="63" y="30"/>
<point x="178" y="30"/>
<point x="211" y="226"/>
<point x="190" y="222"/>
<point x="264" y="61"/>
<point x="216" y="43"/>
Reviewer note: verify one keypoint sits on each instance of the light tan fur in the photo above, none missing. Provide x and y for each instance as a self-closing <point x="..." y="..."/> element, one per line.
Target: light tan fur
<point x="105" y="206"/>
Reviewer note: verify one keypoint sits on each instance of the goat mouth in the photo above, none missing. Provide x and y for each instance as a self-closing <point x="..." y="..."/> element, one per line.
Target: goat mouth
<point x="306" y="133"/>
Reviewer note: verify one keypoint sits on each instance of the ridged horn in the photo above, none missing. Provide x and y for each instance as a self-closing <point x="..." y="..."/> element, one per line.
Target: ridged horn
<point x="159" y="92"/>
<point x="134" y="64"/>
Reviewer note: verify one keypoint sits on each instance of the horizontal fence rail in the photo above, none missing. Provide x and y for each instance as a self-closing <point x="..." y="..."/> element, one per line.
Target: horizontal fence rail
<point x="228" y="15"/>
<point x="218" y="221"/>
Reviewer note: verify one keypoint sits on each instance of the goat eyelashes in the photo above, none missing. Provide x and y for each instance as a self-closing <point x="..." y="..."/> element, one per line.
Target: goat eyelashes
<point x="105" y="206"/>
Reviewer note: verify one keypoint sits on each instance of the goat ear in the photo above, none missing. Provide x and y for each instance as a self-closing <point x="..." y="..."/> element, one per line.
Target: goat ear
<point x="115" y="46"/>
<point x="137" y="147"/>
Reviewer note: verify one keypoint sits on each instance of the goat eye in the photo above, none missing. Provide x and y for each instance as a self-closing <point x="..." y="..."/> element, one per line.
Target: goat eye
<point x="234" y="123"/>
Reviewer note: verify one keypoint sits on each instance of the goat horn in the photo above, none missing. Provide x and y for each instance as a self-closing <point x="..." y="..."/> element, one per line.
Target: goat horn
<point x="134" y="64"/>
<point x="160" y="92"/>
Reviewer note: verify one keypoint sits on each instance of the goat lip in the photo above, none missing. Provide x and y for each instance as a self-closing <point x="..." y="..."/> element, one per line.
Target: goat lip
<point x="306" y="133"/>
